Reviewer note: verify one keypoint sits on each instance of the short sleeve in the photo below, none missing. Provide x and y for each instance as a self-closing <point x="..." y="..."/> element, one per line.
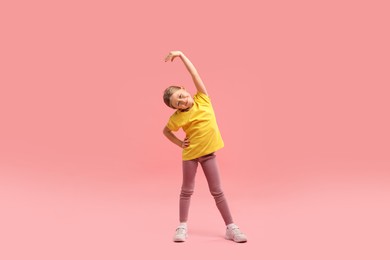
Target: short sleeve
<point x="172" y="124"/>
<point x="202" y="98"/>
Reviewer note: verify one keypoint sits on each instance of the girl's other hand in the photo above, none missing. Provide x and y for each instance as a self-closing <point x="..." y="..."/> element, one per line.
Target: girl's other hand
<point x="172" y="55"/>
<point x="185" y="143"/>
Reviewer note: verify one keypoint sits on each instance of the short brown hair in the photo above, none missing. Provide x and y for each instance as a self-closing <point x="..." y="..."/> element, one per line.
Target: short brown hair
<point x="168" y="93"/>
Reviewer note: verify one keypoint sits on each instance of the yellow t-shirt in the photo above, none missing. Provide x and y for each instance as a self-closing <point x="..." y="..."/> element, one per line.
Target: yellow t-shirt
<point x="200" y="125"/>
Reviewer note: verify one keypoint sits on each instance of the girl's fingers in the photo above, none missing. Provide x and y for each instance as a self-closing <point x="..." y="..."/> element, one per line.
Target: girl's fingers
<point x="186" y="142"/>
<point x="168" y="57"/>
<point x="171" y="56"/>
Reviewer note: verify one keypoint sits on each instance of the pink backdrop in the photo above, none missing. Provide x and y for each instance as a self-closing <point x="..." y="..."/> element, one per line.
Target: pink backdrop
<point x="301" y="93"/>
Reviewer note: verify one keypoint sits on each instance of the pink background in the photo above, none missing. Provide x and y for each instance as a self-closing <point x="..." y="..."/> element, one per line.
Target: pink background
<point x="301" y="93"/>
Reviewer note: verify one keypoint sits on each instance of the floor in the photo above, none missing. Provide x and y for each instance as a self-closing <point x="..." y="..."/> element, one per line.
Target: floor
<point x="71" y="217"/>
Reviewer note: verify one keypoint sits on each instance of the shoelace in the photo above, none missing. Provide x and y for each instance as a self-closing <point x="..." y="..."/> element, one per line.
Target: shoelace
<point x="236" y="231"/>
<point x="181" y="231"/>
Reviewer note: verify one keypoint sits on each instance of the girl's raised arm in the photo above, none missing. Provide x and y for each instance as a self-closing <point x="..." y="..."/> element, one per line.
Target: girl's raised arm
<point x="191" y="69"/>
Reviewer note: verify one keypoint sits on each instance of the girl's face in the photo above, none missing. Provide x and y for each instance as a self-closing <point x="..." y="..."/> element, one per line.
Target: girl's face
<point x="181" y="99"/>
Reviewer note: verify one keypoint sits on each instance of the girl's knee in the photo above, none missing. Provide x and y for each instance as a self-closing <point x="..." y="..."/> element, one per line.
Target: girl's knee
<point x="216" y="193"/>
<point x="186" y="193"/>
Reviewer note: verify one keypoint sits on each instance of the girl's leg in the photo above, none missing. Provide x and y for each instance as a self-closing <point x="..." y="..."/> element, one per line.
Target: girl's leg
<point x="187" y="188"/>
<point x="210" y="169"/>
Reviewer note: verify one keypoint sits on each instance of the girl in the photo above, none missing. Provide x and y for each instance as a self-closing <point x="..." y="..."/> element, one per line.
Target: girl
<point x="196" y="117"/>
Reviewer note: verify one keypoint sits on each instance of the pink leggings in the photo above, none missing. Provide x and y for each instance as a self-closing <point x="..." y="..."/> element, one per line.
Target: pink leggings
<point x="210" y="169"/>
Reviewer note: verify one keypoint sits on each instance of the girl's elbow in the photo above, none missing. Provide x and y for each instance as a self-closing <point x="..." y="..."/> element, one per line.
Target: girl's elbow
<point x="166" y="131"/>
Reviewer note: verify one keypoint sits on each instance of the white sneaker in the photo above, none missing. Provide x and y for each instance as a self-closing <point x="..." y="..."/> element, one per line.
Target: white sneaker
<point x="235" y="234"/>
<point x="180" y="235"/>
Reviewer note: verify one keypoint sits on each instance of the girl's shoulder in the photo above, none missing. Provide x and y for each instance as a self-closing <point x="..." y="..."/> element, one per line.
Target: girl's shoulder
<point x="201" y="97"/>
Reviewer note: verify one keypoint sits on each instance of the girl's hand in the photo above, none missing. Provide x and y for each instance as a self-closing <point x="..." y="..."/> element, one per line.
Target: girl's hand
<point x="172" y="55"/>
<point x="185" y="143"/>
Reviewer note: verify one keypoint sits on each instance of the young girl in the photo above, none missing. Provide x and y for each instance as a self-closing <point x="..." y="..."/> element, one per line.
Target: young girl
<point x="196" y="117"/>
